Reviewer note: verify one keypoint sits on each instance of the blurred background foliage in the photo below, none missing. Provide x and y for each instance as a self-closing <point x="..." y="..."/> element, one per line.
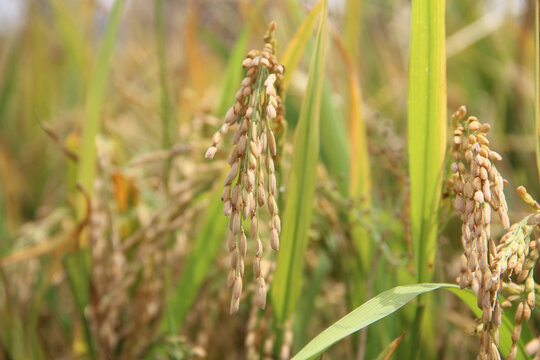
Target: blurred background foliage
<point x="146" y="278"/>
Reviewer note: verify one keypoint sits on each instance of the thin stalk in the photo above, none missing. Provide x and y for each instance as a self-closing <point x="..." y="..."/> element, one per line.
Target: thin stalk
<point x="94" y="100"/>
<point x="165" y="98"/>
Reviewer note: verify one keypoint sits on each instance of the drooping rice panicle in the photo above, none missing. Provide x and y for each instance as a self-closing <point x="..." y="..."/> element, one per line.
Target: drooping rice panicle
<point x="251" y="182"/>
<point x="488" y="267"/>
<point x="478" y="188"/>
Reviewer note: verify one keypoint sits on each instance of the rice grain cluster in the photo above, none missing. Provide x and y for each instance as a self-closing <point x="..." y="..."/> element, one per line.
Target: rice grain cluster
<point x="251" y="182"/>
<point x="478" y="188"/>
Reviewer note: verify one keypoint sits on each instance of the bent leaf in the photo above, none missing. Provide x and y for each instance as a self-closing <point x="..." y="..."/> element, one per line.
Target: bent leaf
<point x="335" y="152"/>
<point x="372" y="311"/>
<point x="359" y="169"/>
<point x="94" y="100"/>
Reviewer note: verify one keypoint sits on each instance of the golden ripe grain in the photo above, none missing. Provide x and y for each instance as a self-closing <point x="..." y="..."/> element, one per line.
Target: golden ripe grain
<point x="257" y="108"/>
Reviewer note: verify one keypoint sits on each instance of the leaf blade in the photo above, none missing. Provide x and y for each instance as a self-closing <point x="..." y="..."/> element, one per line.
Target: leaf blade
<point x="426" y="127"/>
<point x="359" y="167"/>
<point x="94" y="101"/>
<point x="287" y="281"/>
<point x="371" y="311"/>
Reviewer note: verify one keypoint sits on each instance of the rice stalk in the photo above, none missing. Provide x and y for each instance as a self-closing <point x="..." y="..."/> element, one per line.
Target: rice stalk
<point x="94" y="100"/>
<point x="426" y="135"/>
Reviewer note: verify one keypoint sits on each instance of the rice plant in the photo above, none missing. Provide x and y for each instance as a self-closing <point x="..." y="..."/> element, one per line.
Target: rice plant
<point x="269" y="180"/>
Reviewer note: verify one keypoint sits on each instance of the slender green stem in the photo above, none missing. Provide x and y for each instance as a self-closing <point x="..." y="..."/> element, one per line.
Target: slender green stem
<point x="165" y="98"/>
<point x="96" y="93"/>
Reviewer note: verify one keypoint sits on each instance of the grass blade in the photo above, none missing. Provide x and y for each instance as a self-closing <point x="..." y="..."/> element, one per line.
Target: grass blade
<point x="165" y="97"/>
<point x="8" y="82"/>
<point x="334" y="149"/>
<point x="75" y="267"/>
<point x="387" y="303"/>
<point x="94" y="100"/>
<point x="373" y="310"/>
<point x="426" y="138"/>
<point x="426" y="128"/>
<point x="68" y="20"/>
<point x="297" y="45"/>
<point x="334" y="145"/>
<point x="288" y="277"/>
<point x="352" y="29"/>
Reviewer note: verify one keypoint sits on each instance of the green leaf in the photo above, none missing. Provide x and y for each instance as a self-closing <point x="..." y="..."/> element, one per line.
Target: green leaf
<point x="77" y="266"/>
<point x="68" y="20"/>
<point x="8" y="82"/>
<point x="94" y="101"/>
<point x="426" y="137"/>
<point x="426" y="128"/>
<point x="166" y="105"/>
<point x="297" y="45"/>
<point x="373" y="310"/>
<point x="359" y="180"/>
<point x="335" y="151"/>
<point x="297" y="218"/>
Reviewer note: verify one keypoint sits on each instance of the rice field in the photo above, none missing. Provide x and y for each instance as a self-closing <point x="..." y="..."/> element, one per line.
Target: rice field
<point x="326" y="179"/>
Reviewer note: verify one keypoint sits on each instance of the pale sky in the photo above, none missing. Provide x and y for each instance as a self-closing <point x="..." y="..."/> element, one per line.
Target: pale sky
<point x="12" y="12"/>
